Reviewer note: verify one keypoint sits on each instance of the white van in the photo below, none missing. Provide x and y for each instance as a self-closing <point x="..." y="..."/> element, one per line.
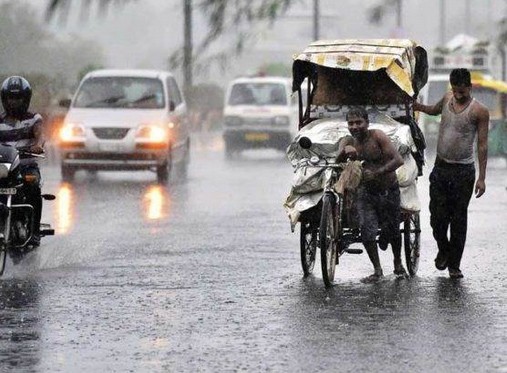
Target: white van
<point x="125" y="120"/>
<point x="259" y="112"/>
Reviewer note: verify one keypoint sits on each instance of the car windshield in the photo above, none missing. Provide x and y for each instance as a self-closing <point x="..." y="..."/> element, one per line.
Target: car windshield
<point x="258" y="94"/>
<point x="121" y="92"/>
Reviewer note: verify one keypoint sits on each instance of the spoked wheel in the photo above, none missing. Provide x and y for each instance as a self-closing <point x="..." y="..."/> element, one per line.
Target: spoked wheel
<point x="327" y="241"/>
<point x="412" y="241"/>
<point x="308" y="245"/>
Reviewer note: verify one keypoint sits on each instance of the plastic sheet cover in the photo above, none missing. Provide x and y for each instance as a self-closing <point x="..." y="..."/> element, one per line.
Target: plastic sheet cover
<point x="308" y="181"/>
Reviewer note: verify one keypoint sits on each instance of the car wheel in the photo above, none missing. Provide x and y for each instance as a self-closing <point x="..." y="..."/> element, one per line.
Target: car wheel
<point x="68" y="173"/>
<point x="164" y="170"/>
<point x="230" y="150"/>
<point x="183" y="166"/>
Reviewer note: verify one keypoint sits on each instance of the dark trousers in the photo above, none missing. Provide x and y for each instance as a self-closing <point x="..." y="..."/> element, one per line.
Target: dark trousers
<point x="32" y="191"/>
<point x="451" y="187"/>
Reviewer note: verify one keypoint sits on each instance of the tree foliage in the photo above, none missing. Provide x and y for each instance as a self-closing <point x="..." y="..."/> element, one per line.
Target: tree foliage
<point x="231" y="18"/>
<point x="28" y="48"/>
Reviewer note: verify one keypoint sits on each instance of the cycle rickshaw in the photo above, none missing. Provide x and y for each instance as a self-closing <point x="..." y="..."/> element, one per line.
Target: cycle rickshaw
<point x="384" y="76"/>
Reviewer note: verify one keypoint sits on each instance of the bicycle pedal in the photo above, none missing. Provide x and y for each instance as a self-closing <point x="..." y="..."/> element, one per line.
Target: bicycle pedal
<point x="354" y="251"/>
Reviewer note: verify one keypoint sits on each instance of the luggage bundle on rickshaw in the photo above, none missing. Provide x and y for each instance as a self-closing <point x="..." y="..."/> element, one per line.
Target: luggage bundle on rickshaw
<point x="383" y="76"/>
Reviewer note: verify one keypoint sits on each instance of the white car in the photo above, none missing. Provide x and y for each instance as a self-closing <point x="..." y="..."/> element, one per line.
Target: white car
<point x="125" y="120"/>
<point x="259" y="112"/>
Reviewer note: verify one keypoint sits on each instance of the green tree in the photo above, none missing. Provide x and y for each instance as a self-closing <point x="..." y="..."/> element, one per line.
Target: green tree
<point x="276" y="69"/>
<point x="28" y="48"/>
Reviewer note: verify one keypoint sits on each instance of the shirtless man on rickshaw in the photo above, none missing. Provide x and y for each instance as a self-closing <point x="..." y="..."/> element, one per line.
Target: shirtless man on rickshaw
<point x="378" y="195"/>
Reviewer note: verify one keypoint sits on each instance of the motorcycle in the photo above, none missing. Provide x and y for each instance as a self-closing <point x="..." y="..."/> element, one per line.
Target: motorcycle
<point x="16" y="214"/>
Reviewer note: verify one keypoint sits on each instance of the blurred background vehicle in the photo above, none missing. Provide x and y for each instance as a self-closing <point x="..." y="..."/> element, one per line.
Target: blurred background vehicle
<point x="259" y="112"/>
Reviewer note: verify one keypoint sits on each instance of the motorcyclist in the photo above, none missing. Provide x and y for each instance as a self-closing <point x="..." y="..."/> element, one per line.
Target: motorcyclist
<point x="23" y="129"/>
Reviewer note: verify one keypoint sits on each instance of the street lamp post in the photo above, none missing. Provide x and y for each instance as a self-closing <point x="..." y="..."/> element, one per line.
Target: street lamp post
<point x="316" y="19"/>
<point x="187" y="47"/>
<point x="442" y="22"/>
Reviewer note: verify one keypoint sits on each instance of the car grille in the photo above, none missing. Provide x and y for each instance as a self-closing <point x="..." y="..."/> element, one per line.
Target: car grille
<point x="111" y="133"/>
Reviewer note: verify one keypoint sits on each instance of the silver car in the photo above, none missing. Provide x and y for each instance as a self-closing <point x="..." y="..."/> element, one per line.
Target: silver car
<point x="125" y="120"/>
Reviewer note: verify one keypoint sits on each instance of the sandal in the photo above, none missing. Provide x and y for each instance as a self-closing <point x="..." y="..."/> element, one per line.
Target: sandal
<point x="455" y="273"/>
<point x="441" y="260"/>
<point x="400" y="271"/>
<point x="372" y="278"/>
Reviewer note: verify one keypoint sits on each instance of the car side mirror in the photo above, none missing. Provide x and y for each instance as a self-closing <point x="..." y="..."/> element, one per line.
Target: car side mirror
<point x="305" y="142"/>
<point x="172" y="105"/>
<point x="65" y="102"/>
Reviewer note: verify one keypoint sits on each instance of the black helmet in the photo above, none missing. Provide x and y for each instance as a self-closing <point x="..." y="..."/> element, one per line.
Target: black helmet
<point x="16" y="94"/>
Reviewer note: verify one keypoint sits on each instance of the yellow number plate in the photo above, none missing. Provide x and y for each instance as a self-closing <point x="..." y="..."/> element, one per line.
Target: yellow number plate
<point x="257" y="136"/>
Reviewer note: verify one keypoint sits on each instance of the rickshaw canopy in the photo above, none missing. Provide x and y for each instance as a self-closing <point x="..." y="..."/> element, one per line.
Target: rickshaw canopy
<point x="353" y="69"/>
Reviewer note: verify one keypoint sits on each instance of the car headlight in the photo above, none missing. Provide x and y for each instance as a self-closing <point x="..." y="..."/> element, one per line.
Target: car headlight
<point x="232" y="121"/>
<point x="281" y="120"/>
<point x="72" y="132"/>
<point x="152" y="133"/>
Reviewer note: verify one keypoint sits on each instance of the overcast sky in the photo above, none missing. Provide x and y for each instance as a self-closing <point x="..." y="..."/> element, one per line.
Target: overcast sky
<point x="145" y="32"/>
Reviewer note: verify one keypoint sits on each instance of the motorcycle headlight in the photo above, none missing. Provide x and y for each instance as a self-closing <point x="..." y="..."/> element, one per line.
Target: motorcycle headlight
<point x="72" y="132"/>
<point x="281" y="120"/>
<point x="4" y="170"/>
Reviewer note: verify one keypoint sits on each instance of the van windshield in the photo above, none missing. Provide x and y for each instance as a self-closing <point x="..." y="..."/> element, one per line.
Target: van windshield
<point x="258" y="94"/>
<point x="121" y="92"/>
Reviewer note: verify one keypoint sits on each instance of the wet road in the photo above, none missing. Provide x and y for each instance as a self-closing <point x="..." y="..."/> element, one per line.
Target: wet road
<point x="204" y="275"/>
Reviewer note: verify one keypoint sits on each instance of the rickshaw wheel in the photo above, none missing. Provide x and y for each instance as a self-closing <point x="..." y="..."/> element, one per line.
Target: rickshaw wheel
<point x="308" y="244"/>
<point x="327" y="239"/>
<point x="412" y="241"/>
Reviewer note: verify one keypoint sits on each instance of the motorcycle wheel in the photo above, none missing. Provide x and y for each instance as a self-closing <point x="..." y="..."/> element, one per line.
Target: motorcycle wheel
<point x="3" y="257"/>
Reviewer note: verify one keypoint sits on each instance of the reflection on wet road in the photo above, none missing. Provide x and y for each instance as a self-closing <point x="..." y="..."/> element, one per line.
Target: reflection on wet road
<point x="64" y="213"/>
<point x="155" y="202"/>
<point x="204" y="275"/>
